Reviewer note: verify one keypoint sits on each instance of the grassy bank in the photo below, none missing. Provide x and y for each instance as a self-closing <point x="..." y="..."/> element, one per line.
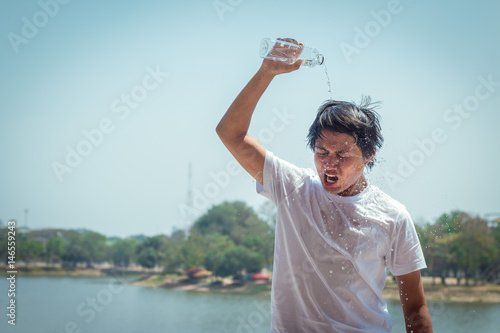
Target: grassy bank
<point x="451" y="293"/>
<point x="57" y="272"/>
<point x="206" y="285"/>
<point x="75" y="272"/>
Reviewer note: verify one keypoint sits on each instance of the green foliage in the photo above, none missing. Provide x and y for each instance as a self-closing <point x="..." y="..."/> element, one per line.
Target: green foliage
<point x="96" y="247"/>
<point x="230" y="239"/>
<point x="28" y="250"/>
<point x="239" y="258"/>
<point x="54" y="249"/>
<point x="460" y="243"/>
<point x="152" y="251"/>
<point x="233" y="219"/>
<point x="123" y="251"/>
<point x="74" y="249"/>
<point x="148" y="257"/>
<point x="215" y="245"/>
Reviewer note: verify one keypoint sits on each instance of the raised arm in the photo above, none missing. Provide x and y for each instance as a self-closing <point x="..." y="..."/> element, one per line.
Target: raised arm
<point x="233" y="127"/>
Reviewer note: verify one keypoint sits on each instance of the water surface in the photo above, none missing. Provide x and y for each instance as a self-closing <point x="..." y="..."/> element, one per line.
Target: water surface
<point x="102" y="305"/>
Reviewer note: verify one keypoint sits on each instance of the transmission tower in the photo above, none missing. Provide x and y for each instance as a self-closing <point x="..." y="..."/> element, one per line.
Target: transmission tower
<point x="190" y="211"/>
<point x="26" y="211"/>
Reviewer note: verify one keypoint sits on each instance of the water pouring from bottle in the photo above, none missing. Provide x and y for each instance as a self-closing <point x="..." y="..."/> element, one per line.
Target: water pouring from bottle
<point x="289" y="51"/>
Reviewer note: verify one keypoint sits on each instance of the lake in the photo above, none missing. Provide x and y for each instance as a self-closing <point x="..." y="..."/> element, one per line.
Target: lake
<point x="103" y="305"/>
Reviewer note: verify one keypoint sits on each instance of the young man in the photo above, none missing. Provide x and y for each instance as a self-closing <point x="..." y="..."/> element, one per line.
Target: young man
<point x="335" y="233"/>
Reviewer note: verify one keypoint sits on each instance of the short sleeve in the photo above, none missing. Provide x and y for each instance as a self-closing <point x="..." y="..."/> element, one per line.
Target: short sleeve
<point x="405" y="254"/>
<point x="280" y="178"/>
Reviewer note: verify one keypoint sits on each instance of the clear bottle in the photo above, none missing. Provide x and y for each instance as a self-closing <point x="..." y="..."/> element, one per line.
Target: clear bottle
<point x="287" y="51"/>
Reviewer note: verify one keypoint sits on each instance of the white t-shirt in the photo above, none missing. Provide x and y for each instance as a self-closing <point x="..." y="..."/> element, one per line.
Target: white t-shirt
<point x="331" y="253"/>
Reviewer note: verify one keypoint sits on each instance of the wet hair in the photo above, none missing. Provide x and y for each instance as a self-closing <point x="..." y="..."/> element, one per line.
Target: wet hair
<point x="359" y="121"/>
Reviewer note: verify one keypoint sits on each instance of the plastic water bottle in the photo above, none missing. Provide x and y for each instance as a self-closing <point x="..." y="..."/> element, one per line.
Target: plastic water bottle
<point x="286" y="51"/>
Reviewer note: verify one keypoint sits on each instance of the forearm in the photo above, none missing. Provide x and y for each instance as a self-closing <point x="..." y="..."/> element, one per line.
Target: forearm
<point x="418" y="320"/>
<point x="236" y="121"/>
<point x="233" y="127"/>
<point x="415" y="310"/>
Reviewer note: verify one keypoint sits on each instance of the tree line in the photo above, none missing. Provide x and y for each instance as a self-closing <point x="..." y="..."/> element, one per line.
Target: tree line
<point x="228" y="239"/>
<point x="232" y="238"/>
<point x="462" y="246"/>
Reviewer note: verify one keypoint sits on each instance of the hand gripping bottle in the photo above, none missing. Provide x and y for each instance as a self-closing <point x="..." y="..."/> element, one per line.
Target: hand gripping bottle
<point x="289" y="51"/>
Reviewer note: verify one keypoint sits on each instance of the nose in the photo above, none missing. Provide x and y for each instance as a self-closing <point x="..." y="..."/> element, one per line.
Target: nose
<point x="331" y="163"/>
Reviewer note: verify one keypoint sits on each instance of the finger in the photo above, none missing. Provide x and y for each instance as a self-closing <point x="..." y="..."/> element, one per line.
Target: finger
<point x="289" y="40"/>
<point x="297" y="64"/>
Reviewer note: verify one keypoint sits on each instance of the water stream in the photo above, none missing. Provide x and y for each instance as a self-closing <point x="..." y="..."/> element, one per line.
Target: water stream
<point x="328" y="82"/>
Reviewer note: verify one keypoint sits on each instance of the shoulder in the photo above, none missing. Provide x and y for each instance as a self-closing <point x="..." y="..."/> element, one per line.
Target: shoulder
<point x="278" y="167"/>
<point x="393" y="210"/>
<point x="282" y="178"/>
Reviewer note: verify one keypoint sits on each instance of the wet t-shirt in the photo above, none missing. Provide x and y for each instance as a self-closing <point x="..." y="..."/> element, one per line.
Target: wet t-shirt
<point x="331" y="253"/>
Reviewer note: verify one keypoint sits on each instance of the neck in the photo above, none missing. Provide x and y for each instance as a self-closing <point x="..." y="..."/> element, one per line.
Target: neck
<point x="356" y="188"/>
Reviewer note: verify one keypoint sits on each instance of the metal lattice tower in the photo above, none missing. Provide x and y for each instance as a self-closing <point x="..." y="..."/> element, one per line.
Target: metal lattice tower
<point x="26" y="211"/>
<point x="189" y="218"/>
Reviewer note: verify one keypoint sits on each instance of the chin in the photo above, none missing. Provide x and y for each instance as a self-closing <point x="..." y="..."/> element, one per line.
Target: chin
<point x="333" y="190"/>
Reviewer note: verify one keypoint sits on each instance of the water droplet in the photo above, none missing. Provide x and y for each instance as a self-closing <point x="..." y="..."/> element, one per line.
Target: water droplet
<point x="402" y="282"/>
<point x="331" y="272"/>
<point x="328" y="82"/>
<point x="343" y="268"/>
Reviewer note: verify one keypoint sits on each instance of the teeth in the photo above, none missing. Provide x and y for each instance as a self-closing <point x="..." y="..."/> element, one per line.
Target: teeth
<point x="331" y="178"/>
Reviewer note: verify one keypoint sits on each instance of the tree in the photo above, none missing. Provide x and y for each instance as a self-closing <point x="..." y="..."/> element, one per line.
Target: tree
<point x="237" y="259"/>
<point x="474" y="247"/>
<point x="152" y="251"/>
<point x="147" y="257"/>
<point x="234" y="219"/>
<point x="27" y="250"/>
<point x="123" y="251"/>
<point x="492" y="274"/>
<point x="194" y="250"/>
<point x="74" y="250"/>
<point x="97" y="249"/>
<point x="4" y="245"/>
<point x="54" y="249"/>
<point x="174" y="260"/>
<point x="225" y="226"/>
<point x="215" y="245"/>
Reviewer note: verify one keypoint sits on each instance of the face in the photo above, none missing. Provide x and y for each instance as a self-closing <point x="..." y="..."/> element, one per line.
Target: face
<point x="340" y="163"/>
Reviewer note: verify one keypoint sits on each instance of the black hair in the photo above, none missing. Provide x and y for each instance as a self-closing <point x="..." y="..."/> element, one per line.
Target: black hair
<point x="359" y="121"/>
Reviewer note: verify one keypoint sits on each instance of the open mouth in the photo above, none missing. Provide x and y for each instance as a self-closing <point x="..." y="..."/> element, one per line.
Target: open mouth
<point x="331" y="178"/>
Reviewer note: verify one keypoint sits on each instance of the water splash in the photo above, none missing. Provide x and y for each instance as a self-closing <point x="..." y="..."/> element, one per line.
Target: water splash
<point x="328" y="82"/>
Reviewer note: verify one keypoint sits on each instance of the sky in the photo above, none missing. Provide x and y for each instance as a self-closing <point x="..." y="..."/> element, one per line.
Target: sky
<point x="105" y="106"/>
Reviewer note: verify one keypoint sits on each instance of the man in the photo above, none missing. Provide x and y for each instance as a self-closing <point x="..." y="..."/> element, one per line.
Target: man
<point x="335" y="233"/>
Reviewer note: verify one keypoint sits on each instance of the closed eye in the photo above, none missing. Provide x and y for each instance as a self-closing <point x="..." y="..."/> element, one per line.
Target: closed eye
<point x="342" y="155"/>
<point x="320" y="151"/>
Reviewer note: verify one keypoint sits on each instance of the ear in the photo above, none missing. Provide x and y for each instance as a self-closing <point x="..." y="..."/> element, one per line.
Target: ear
<point x="371" y="158"/>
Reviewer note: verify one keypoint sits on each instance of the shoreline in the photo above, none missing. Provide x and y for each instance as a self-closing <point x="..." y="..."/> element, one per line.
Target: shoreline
<point x="452" y="293"/>
<point x="435" y="293"/>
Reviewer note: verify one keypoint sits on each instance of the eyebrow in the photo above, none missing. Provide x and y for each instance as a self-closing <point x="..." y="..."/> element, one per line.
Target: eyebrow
<point x="342" y="151"/>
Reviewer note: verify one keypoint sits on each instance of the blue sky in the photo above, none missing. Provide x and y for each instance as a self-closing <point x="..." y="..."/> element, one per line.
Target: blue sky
<point x="136" y="88"/>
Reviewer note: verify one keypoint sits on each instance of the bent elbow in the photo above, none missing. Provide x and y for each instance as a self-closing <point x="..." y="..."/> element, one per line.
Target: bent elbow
<point x="219" y="129"/>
